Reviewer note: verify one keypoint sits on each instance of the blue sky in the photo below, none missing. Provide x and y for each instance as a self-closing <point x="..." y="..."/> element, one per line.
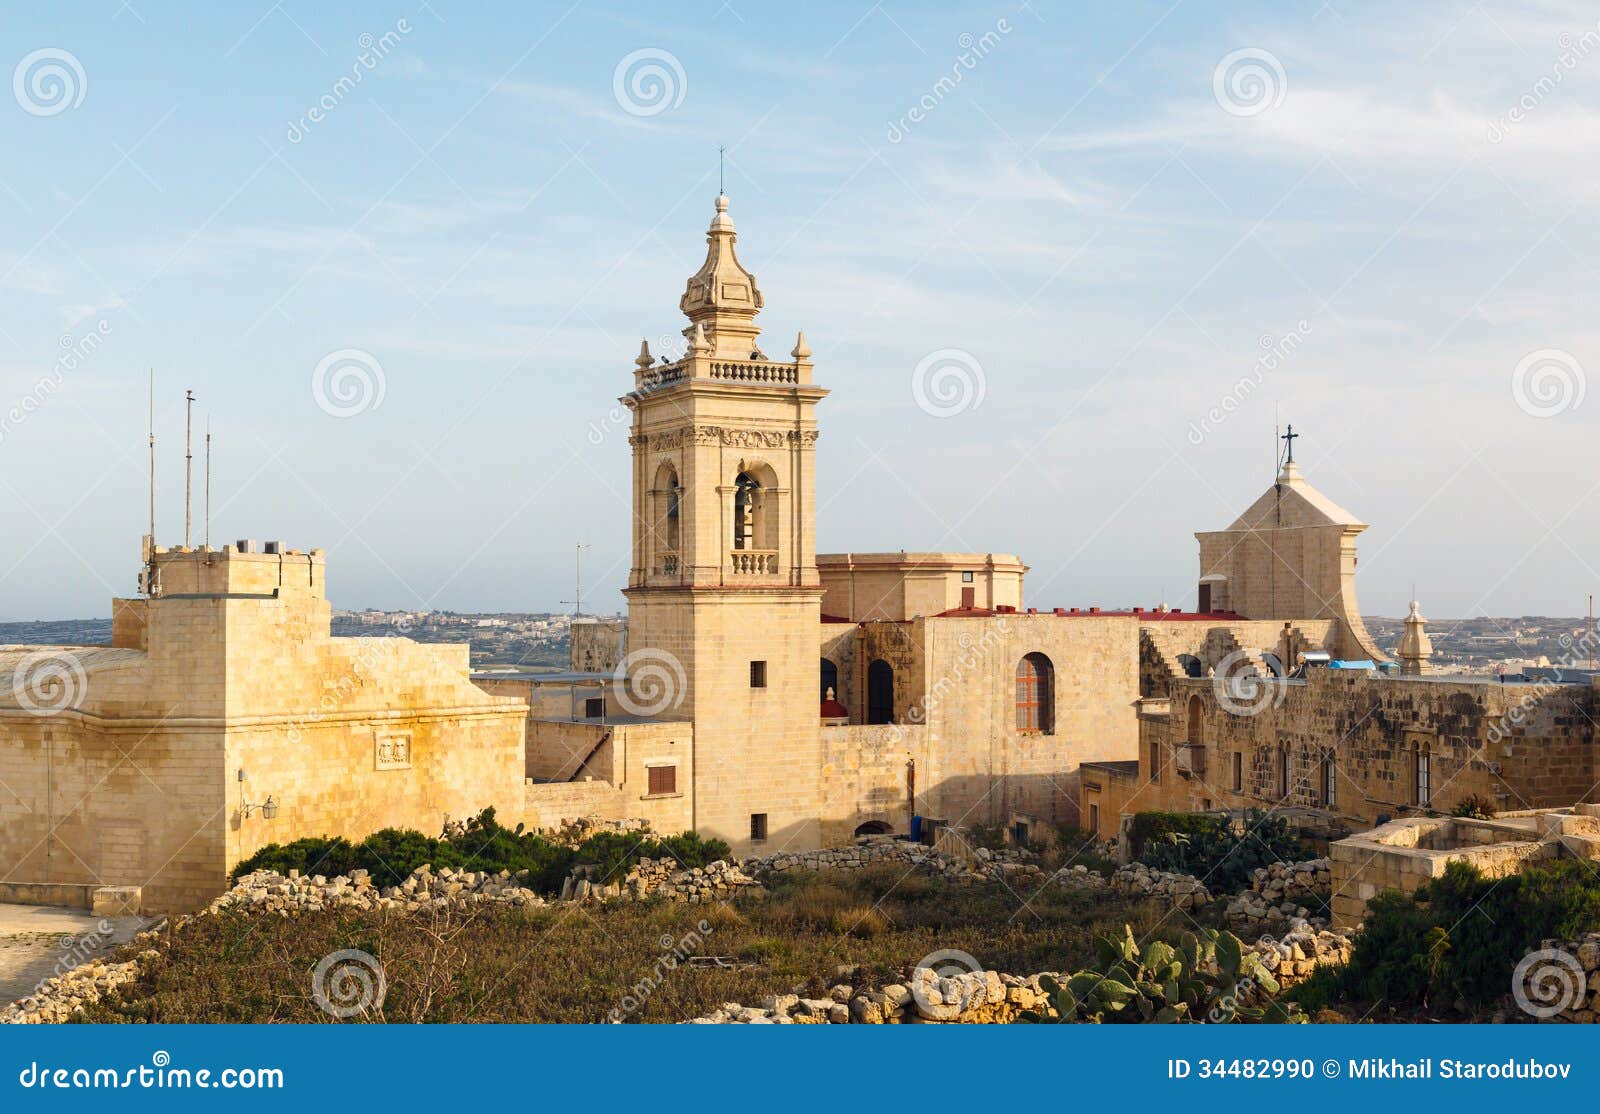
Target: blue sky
<point x="1112" y="217"/>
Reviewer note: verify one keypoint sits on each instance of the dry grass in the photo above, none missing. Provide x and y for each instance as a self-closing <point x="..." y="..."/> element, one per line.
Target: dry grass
<point x="570" y="964"/>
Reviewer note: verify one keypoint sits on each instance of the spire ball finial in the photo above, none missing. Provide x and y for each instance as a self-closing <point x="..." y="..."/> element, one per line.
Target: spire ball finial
<point x="722" y="203"/>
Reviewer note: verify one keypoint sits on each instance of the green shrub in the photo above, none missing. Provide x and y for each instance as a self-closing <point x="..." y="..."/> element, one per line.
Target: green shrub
<point x="1461" y="935"/>
<point x="483" y="844"/>
<point x="1210" y="848"/>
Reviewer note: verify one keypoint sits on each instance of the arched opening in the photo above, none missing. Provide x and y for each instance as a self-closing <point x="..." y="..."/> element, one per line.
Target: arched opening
<point x="1191" y="665"/>
<point x="880" y="692"/>
<point x="668" y="497"/>
<point x="1273" y="662"/>
<point x="1196" y="721"/>
<point x="830" y="680"/>
<point x="873" y="828"/>
<point x="1036" y="694"/>
<point x="747" y="500"/>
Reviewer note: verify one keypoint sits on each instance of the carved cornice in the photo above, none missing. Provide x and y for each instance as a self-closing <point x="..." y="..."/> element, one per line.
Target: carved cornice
<point x="729" y="437"/>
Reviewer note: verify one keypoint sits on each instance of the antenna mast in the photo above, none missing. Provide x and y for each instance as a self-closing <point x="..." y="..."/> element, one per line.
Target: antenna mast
<point x="152" y="458"/>
<point x="188" y="460"/>
<point x="208" y="484"/>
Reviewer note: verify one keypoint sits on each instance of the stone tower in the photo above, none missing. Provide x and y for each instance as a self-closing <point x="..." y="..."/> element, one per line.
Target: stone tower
<point x="1415" y="646"/>
<point x="724" y="602"/>
<point x="1291" y="555"/>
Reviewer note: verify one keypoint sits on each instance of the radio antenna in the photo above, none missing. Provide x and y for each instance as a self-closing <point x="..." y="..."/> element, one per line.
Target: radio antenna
<point x="208" y="484"/>
<point x="188" y="460"/>
<point x="152" y="458"/>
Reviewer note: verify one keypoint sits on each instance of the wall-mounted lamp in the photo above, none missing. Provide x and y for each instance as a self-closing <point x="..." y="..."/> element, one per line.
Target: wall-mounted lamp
<point x="268" y="808"/>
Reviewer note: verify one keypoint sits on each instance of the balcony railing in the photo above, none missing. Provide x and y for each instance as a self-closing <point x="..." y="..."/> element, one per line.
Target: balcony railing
<point x="753" y="562"/>
<point x="754" y="371"/>
<point x="669" y="564"/>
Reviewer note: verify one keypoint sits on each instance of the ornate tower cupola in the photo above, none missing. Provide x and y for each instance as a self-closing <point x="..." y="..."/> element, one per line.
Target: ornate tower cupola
<point x="722" y="298"/>
<point x="1415" y="646"/>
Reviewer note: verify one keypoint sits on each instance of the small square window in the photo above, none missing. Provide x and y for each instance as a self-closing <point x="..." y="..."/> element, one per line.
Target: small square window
<point x="758" y="674"/>
<point x="758" y="827"/>
<point x="663" y="779"/>
<point x="966" y="578"/>
<point x="594" y="707"/>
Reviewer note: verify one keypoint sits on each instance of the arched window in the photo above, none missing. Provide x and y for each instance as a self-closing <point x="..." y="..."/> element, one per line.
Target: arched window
<point x="1273" y="663"/>
<point x="830" y="679"/>
<point x="667" y="494"/>
<point x="880" y="692"/>
<point x="1283" y="773"/>
<point x="1036" y="694"/>
<point x="747" y="508"/>
<point x="1330" y="782"/>
<point x="1196" y="722"/>
<point x="1191" y="665"/>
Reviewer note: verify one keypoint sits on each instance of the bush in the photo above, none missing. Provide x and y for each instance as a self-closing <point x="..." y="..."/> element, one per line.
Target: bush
<point x="1210" y="848"/>
<point x="1461" y="935"/>
<point x="392" y="854"/>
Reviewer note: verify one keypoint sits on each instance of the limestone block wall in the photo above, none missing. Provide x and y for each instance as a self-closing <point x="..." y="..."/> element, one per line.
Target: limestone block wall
<point x="131" y="804"/>
<point x="597" y="644"/>
<point x="865" y="777"/>
<point x="1519" y="746"/>
<point x="980" y="768"/>
<point x="1405" y="854"/>
<point x="550" y="805"/>
<point x="886" y="586"/>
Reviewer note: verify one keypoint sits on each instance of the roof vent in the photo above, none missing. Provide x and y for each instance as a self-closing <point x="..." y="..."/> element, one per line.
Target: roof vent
<point x="272" y="547"/>
<point x="245" y="545"/>
<point x="1094" y="611"/>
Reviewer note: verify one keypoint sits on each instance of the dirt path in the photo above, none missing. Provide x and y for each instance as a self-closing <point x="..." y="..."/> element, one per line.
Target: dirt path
<point x="38" y="942"/>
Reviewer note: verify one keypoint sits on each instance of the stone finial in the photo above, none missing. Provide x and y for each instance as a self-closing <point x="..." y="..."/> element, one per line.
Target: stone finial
<point x="801" y="350"/>
<point x="643" y="359"/>
<point x="698" y="344"/>
<point x="1415" y="647"/>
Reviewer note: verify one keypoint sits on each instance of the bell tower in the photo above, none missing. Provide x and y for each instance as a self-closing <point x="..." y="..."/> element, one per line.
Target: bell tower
<point x="724" y="601"/>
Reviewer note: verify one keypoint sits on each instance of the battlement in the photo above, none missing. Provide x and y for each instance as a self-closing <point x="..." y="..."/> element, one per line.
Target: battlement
<point x="246" y="568"/>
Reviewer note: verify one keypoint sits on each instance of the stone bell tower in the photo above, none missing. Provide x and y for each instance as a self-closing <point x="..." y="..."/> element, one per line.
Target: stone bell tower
<point x="724" y="602"/>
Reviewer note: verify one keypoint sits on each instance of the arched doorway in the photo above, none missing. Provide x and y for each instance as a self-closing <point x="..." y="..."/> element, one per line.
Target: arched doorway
<point x="880" y="692"/>
<point x="830" y="680"/>
<point x="873" y="828"/>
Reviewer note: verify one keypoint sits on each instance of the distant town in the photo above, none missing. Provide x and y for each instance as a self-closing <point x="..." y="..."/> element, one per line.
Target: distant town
<point x="539" y="641"/>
